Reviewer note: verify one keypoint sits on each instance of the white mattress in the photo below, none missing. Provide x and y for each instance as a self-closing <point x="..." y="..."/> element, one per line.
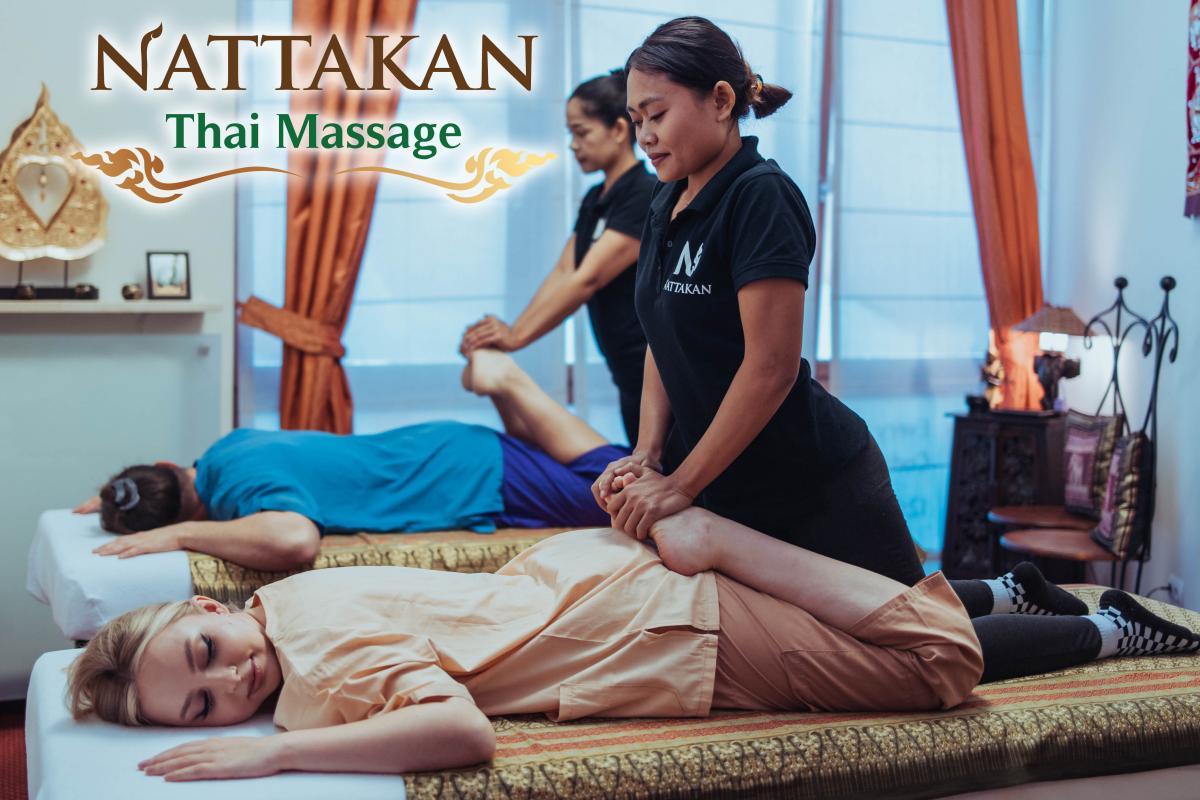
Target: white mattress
<point x="85" y="590"/>
<point x="68" y="760"/>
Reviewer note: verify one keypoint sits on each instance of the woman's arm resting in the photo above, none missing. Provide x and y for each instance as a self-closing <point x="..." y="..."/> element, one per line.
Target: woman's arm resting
<point x="268" y="540"/>
<point x="429" y="736"/>
<point x="435" y="735"/>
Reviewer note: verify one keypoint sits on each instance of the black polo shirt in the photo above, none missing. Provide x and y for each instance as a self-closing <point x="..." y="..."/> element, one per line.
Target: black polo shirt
<point x="749" y="222"/>
<point x="623" y="208"/>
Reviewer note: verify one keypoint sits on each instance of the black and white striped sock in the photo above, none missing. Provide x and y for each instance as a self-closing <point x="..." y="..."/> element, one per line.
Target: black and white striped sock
<point x="1026" y="591"/>
<point x="1129" y="629"/>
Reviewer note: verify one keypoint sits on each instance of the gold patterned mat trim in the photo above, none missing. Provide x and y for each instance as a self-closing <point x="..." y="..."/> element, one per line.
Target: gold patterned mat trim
<point x="451" y="551"/>
<point x="1115" y="715"/>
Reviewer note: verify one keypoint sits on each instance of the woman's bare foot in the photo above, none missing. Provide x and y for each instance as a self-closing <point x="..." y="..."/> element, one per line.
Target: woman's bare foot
<point x="685" y="541"/>
<point x="487" y="371"/>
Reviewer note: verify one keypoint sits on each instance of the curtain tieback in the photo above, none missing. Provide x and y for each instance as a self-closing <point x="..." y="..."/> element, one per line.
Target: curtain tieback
<point x="296" y="330"/>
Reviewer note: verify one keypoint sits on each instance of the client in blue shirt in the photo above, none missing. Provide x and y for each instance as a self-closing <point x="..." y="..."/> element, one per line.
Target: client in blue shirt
<point x="263" y="499"/>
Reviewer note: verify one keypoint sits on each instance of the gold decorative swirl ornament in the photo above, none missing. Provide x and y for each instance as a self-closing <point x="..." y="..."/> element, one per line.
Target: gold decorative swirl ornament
<point x="514" y="163"/>
<point x="144" y="168"/>
<point x="140" y="167"/>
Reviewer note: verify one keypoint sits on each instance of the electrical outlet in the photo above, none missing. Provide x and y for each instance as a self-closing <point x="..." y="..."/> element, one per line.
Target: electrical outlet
<point x="1175" y="584"/>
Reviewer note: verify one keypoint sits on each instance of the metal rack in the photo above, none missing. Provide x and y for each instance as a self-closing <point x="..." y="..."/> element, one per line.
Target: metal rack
<point x="1119" y="322"/>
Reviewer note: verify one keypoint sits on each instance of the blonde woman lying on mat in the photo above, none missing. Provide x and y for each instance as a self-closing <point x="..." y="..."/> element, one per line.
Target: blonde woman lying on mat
<point x="389" y="669"/>
<point x="264" y="498"/>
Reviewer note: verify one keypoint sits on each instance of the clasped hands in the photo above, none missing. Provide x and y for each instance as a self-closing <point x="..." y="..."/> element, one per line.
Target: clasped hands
<point x="635" y="494"/>
<point x="649" y="505"/>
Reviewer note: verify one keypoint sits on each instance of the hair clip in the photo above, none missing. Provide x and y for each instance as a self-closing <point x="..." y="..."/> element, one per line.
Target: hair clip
<point x="125" y="493"/>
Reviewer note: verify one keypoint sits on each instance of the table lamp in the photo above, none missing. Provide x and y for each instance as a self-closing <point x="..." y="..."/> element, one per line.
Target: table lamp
<point x="1055" y="324"/>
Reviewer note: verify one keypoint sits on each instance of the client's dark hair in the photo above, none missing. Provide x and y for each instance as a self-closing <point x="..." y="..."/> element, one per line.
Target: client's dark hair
<point x="603" y="98"/>
<point x="141" y="497"/>
<point x="694" y="52"/>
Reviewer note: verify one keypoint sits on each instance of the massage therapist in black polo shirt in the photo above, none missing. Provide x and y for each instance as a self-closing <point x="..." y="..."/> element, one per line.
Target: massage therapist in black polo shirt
<point x="596" y="265"/>
<point x="721" y="278"/>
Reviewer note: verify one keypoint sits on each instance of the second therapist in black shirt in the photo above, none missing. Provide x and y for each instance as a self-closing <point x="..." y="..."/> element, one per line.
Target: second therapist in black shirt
<point x="721" y="280"/>
<point x="597" y="264"/>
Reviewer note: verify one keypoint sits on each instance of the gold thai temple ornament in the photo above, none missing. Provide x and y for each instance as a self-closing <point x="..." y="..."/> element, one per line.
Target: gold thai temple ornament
<point x="49" y="206"/>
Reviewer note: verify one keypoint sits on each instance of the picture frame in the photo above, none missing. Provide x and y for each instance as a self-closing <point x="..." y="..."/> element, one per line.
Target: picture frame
<point x="168" y="275"/>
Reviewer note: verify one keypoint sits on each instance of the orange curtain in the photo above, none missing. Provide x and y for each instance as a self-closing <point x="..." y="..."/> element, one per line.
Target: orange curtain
<point x="327" y="215"/>
<point x="987" y="69"/>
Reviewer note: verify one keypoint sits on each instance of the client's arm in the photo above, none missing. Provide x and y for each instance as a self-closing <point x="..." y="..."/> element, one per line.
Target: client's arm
<point x="436" y="735"/>
<point x="268" y="540"/>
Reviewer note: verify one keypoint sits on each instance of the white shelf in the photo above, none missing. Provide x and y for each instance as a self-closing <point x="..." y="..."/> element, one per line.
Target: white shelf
<point x="133" y="307"/>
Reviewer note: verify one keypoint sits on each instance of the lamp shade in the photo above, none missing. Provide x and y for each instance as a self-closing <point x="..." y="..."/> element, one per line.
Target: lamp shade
<point x="1052" y="319"/>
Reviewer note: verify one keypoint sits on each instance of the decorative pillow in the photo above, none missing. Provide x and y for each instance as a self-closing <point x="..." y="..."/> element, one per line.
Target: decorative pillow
<point x="1086" y="458"/>
<point x="1128" y="496"/>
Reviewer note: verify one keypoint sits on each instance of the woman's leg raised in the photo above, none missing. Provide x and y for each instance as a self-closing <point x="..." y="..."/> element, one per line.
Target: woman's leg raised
<point x="528" y="412"/>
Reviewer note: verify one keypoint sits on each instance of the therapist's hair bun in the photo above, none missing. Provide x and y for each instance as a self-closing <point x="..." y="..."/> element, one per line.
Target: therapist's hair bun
<point x="159" y="499"/>
<point x="694" y="52"/>
<point x="766" y="98"/>
<point x="603" y="98"/>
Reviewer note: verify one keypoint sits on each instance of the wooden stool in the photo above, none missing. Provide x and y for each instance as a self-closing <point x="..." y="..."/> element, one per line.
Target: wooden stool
<point x="1064" y="544"/>
<point x="1039" y="517"/>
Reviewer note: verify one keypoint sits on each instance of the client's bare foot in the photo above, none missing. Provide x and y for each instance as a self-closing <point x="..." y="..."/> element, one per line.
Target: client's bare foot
<point x="685" y="541"/>
<point x="487" y="371"/>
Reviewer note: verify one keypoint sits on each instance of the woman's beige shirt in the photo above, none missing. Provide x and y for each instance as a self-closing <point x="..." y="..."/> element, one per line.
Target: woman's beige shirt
<point x="585" y="623"/>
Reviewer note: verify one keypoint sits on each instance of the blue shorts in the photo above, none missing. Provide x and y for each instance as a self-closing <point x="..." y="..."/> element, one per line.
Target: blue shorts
<point x="539" y="492"/>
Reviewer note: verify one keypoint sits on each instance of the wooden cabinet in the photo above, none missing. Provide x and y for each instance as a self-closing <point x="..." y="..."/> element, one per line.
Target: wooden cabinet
<point x="998" y="458"/>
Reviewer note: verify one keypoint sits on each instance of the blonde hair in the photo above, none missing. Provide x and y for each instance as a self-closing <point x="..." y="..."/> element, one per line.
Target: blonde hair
<point x="102" y="680"/>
